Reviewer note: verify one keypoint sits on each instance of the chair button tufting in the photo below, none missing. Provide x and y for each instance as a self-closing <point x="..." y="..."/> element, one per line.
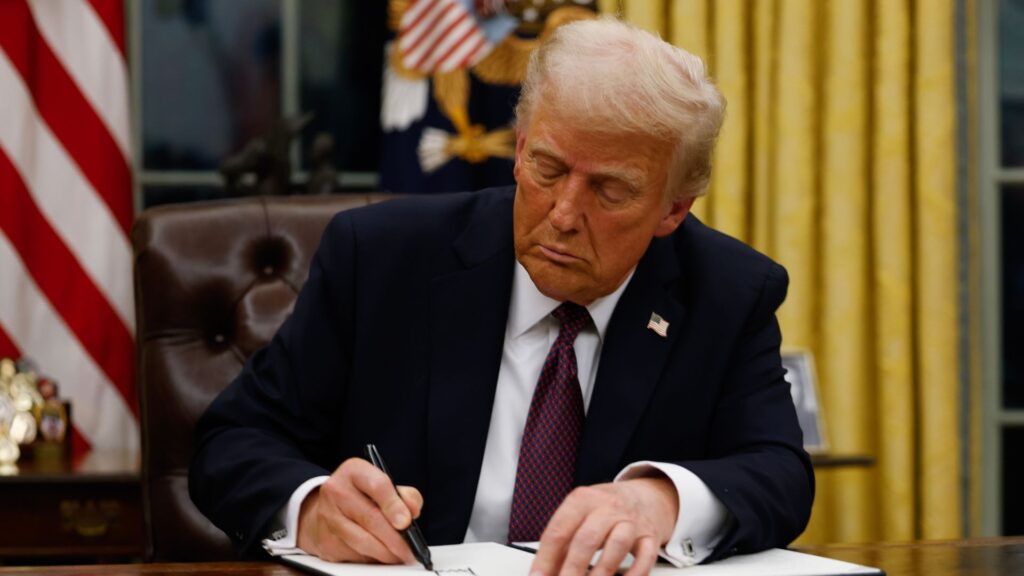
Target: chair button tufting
<point x="268" y="270"/>
<point x="219" y="338"/>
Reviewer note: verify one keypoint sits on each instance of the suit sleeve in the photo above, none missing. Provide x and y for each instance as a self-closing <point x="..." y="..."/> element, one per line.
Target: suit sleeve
<point x="269" y="430"/>
<point x="756" y="464"/>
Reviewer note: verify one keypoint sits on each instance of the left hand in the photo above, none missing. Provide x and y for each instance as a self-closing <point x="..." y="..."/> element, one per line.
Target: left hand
<point x="635" y="516"/>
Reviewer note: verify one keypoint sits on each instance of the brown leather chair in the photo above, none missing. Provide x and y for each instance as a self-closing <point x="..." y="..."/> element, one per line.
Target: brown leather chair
<point x="213" y="281"/>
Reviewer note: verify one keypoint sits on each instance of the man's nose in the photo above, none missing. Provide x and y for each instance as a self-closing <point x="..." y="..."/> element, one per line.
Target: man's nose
<point x="567" y="211"/>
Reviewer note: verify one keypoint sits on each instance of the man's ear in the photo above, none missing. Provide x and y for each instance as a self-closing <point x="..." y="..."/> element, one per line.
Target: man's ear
<point x="520" y="142"/>
<point x="676" y="214"/>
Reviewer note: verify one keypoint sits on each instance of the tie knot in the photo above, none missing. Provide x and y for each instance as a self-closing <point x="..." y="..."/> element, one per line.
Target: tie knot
<point x="572" y="317"/>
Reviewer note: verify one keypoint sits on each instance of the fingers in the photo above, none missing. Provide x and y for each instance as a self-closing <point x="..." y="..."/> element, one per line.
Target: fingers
<point x="645" y="554"/>
<point x="358" y="522"/>
<point x="359" y="514"/>
<point x="609" y="517"/>
<point x="618" y="543"/>
<point x="362" y="541"/>
<point x="412" y="498"/>
<point x="375" y="484"/>
<point x="558" y="536"/>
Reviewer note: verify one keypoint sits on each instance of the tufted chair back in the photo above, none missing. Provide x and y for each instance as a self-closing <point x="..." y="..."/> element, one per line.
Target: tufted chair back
<point x="213" y="281"/>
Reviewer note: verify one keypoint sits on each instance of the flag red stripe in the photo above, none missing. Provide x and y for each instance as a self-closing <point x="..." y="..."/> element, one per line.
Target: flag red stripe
<point x="480" y="43"/>
<point x="7" y="347"/>
<point x="444" y="35"/>
<point x="112" y="14"/>
<point x="69" y="289"/>
<point x="425" y="13"/>
<point x="66" y="111"/>
<point x="424" y="30"/>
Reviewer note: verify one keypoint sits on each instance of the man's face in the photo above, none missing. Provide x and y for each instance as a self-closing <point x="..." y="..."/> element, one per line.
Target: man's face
<point x="587" y="205"/>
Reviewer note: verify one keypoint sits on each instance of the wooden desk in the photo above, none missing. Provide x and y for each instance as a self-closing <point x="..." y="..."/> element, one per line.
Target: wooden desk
<point x="84" y="510"/>
<point x="981" y="557"/>
<point x="973" y="557"/>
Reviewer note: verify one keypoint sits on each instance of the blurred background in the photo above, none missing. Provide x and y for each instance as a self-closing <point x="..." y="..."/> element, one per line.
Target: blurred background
<point x="873" y="147"/>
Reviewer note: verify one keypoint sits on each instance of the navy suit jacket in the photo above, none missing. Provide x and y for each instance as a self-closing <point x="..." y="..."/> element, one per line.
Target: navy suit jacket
<point x="396" y="339"/>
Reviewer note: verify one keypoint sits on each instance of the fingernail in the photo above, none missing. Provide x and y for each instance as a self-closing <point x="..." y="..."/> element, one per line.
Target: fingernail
<point x="399" y="519"/>
<point x="537" y="573"/>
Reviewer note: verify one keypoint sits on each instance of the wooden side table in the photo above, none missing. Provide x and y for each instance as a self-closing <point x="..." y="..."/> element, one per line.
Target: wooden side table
<point x="88" y="509"/>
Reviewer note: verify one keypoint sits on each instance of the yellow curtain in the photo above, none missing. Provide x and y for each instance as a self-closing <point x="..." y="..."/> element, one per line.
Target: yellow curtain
<point x="838" y="159"/>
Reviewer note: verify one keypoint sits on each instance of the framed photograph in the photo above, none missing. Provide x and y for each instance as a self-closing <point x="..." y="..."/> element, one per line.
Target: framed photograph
<point x="803" y="386"/>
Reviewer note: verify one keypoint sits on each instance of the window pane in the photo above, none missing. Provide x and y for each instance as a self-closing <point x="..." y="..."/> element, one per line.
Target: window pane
<point x="341" y="61"/>
<point x="155" y="195"/>
<point x="210" y="79"/>
<point x="1013" y="295"/>
<point x="1011" y="80"/>
<point x="1013" y="479"/>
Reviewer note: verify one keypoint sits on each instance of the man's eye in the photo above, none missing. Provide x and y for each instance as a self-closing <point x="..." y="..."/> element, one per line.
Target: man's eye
<point x="614" y="192"/>
<point x="547" y="171"/>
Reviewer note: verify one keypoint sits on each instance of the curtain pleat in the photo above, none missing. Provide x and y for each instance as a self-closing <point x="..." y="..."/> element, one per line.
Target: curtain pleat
<point x="892" y="278"/>
<point x="731" y="177"/>
<point x="935" y="259"/>
<point x="689" y="26"/>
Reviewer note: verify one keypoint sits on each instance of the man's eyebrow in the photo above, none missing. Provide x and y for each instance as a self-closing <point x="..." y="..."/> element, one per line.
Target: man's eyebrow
<point x="543" y="149"/>
<point x="629" y="177"/>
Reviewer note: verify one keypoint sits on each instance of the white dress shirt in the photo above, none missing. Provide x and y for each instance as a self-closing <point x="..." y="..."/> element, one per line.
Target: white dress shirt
<point x="529" y="333"/>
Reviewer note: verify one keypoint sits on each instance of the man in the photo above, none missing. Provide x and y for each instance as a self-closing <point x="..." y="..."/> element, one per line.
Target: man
<point x="502" y="347"/>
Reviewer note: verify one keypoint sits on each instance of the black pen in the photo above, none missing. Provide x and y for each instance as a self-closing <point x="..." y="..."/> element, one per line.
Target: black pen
<point x="413" y="537"/>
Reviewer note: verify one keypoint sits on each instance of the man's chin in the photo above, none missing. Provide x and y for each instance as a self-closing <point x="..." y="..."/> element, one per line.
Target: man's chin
<point x="554" y="280"/>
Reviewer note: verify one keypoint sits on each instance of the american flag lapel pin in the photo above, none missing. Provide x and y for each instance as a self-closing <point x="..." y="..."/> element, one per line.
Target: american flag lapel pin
<point x="658" y="325"/>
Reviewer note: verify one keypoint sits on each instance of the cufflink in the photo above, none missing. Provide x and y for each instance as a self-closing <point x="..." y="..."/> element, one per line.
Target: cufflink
<point x="278" y="534"/>
<point x="688" y="548"/>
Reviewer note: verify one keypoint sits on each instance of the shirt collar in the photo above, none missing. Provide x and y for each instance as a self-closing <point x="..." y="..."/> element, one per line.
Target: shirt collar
<point x="529" y="306"/>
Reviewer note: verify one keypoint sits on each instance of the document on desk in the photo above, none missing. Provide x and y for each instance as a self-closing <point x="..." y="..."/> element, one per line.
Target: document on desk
<point x="490" y="559"/>
<point x="477" y="559"/>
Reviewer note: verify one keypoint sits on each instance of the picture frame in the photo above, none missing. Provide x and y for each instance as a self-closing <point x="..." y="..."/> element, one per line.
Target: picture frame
<point x="803" y="387"/>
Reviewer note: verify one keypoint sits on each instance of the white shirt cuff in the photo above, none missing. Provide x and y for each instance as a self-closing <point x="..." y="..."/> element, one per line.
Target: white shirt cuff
<point x="704" y="522"/>
<point x="282" y="535"/>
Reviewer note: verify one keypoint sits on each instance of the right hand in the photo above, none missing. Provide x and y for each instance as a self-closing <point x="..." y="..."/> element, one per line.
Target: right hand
<point x="355" y="517"/>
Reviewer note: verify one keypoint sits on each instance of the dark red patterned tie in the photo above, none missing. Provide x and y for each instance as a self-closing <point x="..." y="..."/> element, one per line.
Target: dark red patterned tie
<point x="551" y="439"/>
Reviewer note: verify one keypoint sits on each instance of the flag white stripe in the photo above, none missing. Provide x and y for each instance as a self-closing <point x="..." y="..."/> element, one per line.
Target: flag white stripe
<point x="410" y="34"/>
<point x="472" y="45"/>
<point x="430" y="42"/>
<point x="39" y="332"/>
<point x="420" y="39"/>
<point x="82" y="43"/>
<point x="413" y="12"/>
<point x="77" y="214"/>
<point x="453" y="37"/>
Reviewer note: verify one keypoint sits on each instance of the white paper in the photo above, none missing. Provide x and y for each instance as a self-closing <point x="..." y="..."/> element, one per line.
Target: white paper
<point x="776" y="562"/>
<point x="479" y="559"/>
<point x="490" y="559"/>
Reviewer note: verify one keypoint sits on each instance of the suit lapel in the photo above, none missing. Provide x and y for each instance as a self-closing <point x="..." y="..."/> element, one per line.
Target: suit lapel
<point x="632" y="359"/>
<point x="469" y="309"/>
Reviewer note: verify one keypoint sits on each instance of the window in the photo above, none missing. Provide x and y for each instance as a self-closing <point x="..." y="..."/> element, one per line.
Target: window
<point x="210" y="76"/>
<point x="1001" y="203"/>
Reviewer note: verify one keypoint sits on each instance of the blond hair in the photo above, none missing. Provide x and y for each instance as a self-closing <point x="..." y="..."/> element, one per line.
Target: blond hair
<point x="614" y="77"/>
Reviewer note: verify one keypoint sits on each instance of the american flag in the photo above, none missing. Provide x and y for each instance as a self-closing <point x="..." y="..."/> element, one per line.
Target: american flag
<point x="440" y="36"/>
<point x="658" y="324"/>
<point x="66" y="208"/>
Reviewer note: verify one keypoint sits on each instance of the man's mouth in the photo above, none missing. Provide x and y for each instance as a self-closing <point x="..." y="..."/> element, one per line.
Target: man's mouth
<point x="555" y="254"/>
